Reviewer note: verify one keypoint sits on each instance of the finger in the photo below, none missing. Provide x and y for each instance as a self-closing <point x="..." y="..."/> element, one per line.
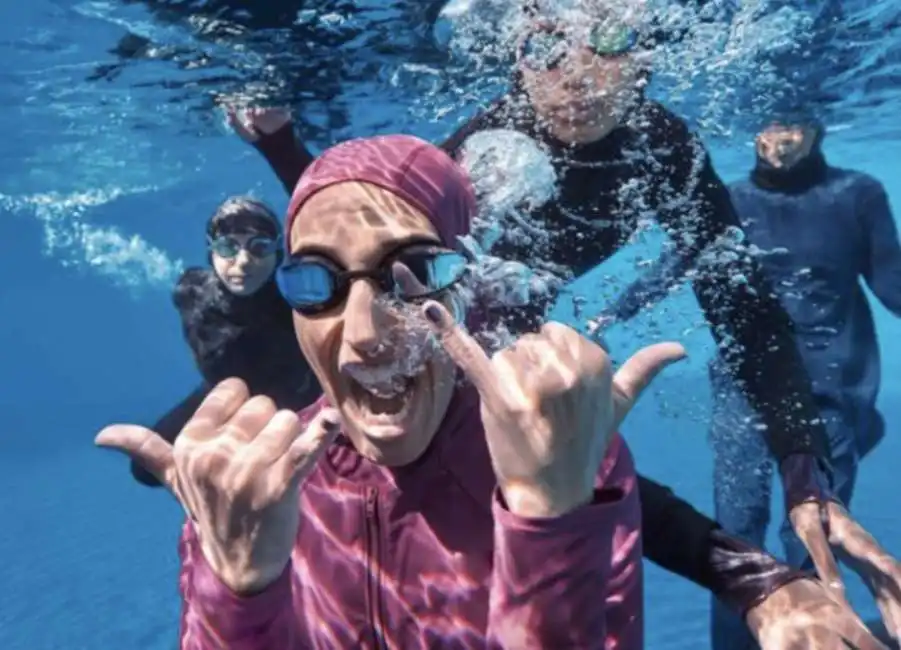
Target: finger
<point x="144" y="446"/>
<point x="407" y="281"/>
<point x="855" y="633"/>
<point x="461" y="348"/>
<point x="278" y="435"/>
<point x="306" y="449"/>
<point x="889" y="607"/>
<point x="250" y="418"/>
<point x="808" y="524"/>
<point x="640" y="370"/>
<point x="216" y="410"/>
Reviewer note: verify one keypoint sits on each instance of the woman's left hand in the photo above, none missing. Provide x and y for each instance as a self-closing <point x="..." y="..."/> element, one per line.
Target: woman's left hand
<point x="804" y="615"/>
<point x="550" y="405"/>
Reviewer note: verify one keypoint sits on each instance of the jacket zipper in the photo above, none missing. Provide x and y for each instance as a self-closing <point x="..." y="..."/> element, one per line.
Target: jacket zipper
<point x="373" y="586"/>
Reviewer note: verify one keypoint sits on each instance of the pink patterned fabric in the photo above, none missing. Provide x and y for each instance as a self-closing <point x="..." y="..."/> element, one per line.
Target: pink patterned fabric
<point x="426" y="556"/>
<point x="415" y="170"/>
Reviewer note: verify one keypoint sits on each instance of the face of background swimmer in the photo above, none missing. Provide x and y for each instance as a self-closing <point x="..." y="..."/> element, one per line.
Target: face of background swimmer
<point x="244" y="274"/>
<point x="783" y="147"/>
<point x="364" y="331"/>
<point x="583" y="98"/>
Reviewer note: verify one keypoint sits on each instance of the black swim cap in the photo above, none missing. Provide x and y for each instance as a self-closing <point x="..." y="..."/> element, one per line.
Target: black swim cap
<point x="242" y="215"/>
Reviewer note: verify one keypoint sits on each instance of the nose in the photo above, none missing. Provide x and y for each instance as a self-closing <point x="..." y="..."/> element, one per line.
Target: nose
<point x="242" y="259"/>
<point x="366" y="321"/>
<point x="576" y="73"/>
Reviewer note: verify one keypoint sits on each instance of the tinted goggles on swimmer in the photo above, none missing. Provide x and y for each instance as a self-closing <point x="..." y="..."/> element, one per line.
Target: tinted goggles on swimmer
<point x="313" y="283"/>
<point x="547" y="46"/>
<point x="229" y="247"/>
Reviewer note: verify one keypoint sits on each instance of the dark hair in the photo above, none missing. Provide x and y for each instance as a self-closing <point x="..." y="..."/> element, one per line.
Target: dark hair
<point x="240" y="215"/>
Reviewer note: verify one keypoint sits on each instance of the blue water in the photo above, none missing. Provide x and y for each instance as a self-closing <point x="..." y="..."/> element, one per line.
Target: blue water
<point x="105" y="186"/>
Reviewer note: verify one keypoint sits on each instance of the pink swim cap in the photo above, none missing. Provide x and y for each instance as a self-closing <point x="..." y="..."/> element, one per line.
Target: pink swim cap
<point x="416" y="171"/>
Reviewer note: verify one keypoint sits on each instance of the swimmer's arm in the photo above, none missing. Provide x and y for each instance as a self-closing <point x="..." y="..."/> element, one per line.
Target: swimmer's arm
<point x="738" y="574"/>
<point x="553" y="577"/>
<point x="653" y="286"/>
<point x="215" y="618"/>
<point x="882" y="263"/>
<point x="287" y="156"/>
<point x="752" y="330"/>
<point x="490" y="118"/>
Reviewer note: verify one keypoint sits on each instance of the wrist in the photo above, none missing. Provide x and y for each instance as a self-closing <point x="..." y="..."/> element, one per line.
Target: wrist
<point x="743" y="576"/>
<point x="242" y="577"/>
<point x="533" y="502"/>
<point x="804" y="480"/>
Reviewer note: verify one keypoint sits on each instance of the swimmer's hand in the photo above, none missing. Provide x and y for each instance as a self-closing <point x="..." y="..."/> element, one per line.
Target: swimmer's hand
<point x="830" y="533"/>
<point x="236" y="469"/>
<point x="252" y="123"/>
<point x="804" y="614"/>
<point x="550" y="405"/>
<point x="880" y="572"/>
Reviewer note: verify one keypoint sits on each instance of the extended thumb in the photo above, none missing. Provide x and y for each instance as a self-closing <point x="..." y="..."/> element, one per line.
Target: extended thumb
<point x="141" y="444"/>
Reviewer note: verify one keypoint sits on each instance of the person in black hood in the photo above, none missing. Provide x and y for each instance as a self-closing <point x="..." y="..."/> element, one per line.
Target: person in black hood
<point x="235" y="320"/>
<point x="820" y="230"/>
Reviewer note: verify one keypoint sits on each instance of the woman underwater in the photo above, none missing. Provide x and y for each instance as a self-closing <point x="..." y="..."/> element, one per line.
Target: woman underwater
<point x="235" y="320"/>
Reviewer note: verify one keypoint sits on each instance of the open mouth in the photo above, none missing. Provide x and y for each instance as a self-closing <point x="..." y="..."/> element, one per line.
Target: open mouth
<point x="384" y="402"/>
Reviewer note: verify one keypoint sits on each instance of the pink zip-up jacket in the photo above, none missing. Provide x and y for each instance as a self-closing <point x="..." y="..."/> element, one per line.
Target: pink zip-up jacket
<point x="428" y="557"/>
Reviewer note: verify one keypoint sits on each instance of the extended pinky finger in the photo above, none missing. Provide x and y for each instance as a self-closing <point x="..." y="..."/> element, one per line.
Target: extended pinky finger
<point x="305" y="452"/>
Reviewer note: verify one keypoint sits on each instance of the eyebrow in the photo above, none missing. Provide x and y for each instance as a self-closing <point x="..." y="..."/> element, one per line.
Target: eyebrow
<point x="406" y="242"/>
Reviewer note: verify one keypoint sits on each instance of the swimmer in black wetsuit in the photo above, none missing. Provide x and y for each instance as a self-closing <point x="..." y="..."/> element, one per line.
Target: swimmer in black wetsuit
<point x="235" y="320"/>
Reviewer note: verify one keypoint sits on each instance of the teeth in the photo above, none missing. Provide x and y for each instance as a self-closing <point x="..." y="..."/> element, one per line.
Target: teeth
<point x="383" y="393"/>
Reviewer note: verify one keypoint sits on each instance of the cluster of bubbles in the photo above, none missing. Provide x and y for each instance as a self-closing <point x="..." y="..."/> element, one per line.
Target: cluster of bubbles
<point x="719" y="51"/>
<point x="128" y="261"/>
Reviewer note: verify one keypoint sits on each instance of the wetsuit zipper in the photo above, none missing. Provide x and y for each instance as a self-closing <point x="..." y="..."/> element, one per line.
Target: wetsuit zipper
<point x="374" y="568"/>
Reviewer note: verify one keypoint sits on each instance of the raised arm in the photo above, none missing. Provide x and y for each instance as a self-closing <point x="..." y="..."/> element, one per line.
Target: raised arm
<point x="237" y="575"/>
<point x="271" y="132"/>
<point x="751" y="328"/>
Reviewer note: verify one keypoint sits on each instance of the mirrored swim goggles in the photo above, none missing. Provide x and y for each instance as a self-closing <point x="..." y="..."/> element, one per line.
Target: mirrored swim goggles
<point x="313" y="283"/>
<point x="228" y="246"/>
<point x="547" y="46"/>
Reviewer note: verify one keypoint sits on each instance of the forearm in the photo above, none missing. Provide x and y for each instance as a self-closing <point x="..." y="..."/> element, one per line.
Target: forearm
<point x="664" y="518"/>
<point x="549" y="587"/>
<point x="737" y="573"/>
<point x="287" y="156"/>
<point x="757" y="346"/>
<point x="215" y="618"/>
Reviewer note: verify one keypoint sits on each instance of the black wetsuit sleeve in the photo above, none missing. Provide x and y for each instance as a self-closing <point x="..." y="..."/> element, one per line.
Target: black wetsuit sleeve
<point x="666" y="518"/>
<point x="683" y="541"/>
<point x="168" y="427"/>
<point x="287" y="156"/>
<point x="882" y="263"/>
<point x="753" y="332"/>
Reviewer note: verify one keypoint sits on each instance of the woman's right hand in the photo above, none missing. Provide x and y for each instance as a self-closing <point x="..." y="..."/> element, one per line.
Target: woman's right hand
<point x="236" y="468"/>
<point x="252" y="123"/>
